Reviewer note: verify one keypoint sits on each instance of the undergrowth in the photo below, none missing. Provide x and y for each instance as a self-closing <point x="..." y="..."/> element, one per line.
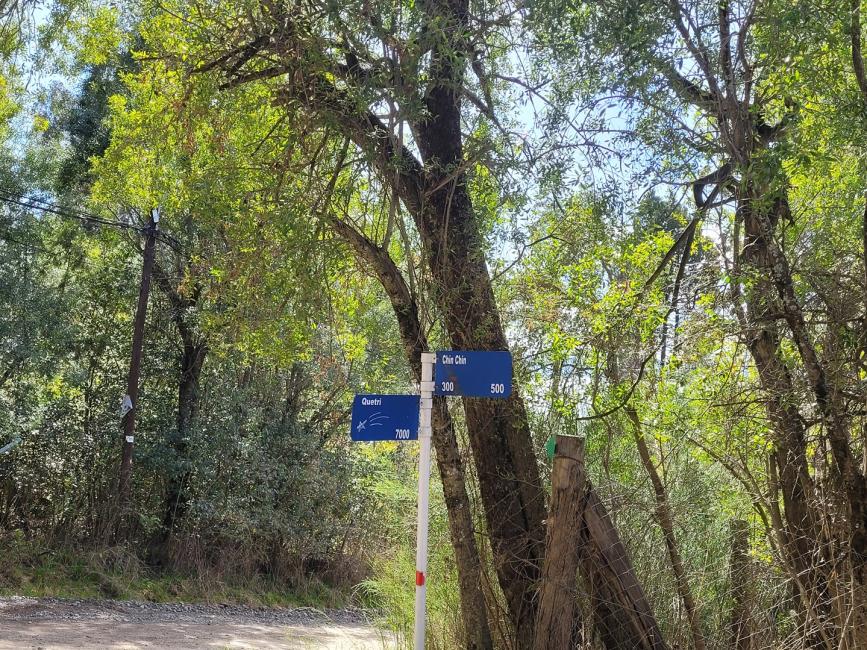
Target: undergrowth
<point x="390" y="589"/>
<point x="27" y="569"/>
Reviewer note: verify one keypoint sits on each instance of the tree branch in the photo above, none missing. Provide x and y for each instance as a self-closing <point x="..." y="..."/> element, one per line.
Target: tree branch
<point x="258" y="75"/>
<point x="364" y="129"/>
<point x="687" y="90"/>
<point x="697" y="49"/>
<point x="725" y="52"/>
<point x="238" y="56"/>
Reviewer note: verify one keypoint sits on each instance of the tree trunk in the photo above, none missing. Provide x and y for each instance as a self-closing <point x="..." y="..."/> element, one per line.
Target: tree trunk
<point x="176" y="499"/>
<point x="7" y="491"/>
<point x="558" y="618"/>
<point x="499" y="431"/>
<point x="500" y="436"/>
<point x="741" y="627"/>
<point x="836" y="420"/>
<point x="666" y="523"/>
<point x="434" y="191"/>
<point x="473" y="608"/>
<point x="191" y="362"/>
<point x="801" y="536"/>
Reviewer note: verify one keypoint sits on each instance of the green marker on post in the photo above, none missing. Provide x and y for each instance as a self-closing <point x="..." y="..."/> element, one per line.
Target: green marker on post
<point x="551" y="447"/>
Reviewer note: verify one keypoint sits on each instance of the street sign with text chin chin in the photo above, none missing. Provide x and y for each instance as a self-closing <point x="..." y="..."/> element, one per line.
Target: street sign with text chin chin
<point x="473" y="373"/>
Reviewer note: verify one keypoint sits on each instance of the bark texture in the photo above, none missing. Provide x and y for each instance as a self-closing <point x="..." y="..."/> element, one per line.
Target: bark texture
<point x="741" y="625"/>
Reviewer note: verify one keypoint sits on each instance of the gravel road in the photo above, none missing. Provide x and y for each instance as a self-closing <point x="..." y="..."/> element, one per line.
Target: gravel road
<point x="55" y="623"/>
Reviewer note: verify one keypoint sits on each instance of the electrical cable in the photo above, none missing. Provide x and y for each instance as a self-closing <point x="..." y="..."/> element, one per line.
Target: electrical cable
<point x="46" y="206"/>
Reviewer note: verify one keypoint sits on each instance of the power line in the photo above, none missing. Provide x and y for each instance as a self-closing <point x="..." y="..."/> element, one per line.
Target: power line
<point x="46" y="206"/>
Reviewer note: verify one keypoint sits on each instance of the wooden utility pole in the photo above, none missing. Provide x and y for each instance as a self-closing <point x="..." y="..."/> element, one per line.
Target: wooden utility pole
<point x="130" y="401"/>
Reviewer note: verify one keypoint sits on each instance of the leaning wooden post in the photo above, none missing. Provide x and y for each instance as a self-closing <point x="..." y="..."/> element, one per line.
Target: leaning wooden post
<point x="582" y="536"/>
<point x="557" y="615"/>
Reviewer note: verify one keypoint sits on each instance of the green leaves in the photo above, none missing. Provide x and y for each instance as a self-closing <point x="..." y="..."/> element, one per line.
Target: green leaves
<point x="99" y="36"/>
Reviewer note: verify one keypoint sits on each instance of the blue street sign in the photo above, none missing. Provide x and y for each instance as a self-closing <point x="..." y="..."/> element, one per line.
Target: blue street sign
<point x="473" y="373"/>
<point x="385" y="417"/>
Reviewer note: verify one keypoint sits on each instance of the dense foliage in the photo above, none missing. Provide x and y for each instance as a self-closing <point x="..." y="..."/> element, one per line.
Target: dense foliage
<point x="658" y="207"/>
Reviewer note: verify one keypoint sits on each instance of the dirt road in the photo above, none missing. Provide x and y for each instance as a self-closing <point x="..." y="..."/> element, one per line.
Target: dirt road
<point x="53" y="623"/>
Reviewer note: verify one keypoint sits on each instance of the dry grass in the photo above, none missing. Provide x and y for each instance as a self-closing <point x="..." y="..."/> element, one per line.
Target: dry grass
<point x="115" y="572"/>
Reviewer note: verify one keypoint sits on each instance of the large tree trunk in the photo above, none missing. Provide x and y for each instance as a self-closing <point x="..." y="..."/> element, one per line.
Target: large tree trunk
<point x="176" y="498"/>
<point x="500" y="436"/>
<point x="473" y="608"/>
<point x="801" y="536"/>
<point x="434" y="191"/>
<point x="190" y="364"/>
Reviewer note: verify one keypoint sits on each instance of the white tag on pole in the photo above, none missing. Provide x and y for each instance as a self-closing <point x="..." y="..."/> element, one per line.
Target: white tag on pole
<point x="125" y="405"/>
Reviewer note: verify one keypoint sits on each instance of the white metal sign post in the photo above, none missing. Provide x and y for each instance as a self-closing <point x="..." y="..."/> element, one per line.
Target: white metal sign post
<point x="465" y="373"/>
<point x="426" y="387"/>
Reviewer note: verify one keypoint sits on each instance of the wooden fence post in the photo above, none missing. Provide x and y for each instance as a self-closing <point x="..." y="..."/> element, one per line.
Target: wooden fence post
<point x="581" y="534"/>
<point x="557" y="618"/>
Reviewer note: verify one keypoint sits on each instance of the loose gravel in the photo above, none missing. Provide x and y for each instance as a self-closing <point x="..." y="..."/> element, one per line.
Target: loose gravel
<point x="37" y="623"/>
<point x="18" y="608"/>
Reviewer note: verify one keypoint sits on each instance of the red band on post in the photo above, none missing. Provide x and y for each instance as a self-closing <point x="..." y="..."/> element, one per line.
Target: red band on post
<point x="419" y="579"/>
